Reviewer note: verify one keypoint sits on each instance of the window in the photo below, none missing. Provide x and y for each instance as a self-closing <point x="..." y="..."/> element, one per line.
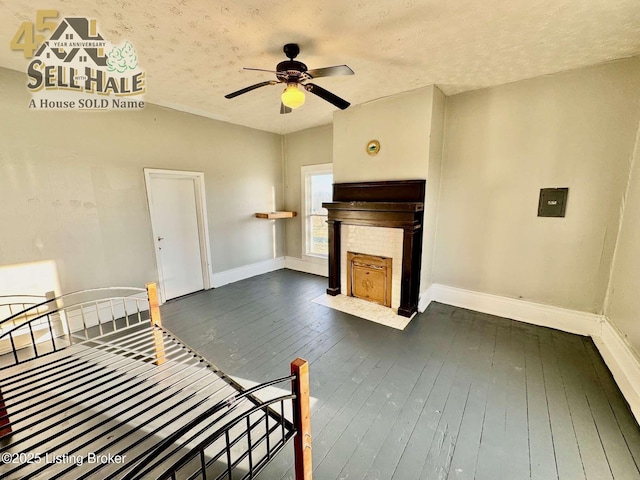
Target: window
<point x="317" y="187"/>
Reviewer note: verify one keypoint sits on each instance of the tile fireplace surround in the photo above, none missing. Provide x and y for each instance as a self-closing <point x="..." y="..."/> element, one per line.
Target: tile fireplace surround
<point x="387" y="205"/>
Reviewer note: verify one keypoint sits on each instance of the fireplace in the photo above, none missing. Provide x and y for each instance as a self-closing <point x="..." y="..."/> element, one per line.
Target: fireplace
<point x="393" y="205"/>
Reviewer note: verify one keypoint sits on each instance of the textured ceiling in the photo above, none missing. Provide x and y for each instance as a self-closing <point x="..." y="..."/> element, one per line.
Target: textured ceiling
<point x="193" y="50"/>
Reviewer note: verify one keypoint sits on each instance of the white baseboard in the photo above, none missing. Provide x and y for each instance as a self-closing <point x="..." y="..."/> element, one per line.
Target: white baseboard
<point x="241" y="273"/>
<point x="623" y="363"/>
<point x="425" y="298"/>
<point x="571" y="321"/>
<point x="300" y="265"/>
<point x="616" y="352"/>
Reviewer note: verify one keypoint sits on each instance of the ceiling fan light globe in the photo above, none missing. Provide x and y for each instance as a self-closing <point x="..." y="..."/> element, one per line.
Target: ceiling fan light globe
<point x="292" y="96"/>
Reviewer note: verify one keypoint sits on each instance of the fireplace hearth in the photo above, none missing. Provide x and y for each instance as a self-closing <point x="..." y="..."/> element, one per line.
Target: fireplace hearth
<point x="392" y="204"/>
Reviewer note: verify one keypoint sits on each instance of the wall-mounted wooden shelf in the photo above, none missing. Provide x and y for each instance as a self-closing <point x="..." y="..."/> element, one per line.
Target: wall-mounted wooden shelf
<point x="273" y="215"/>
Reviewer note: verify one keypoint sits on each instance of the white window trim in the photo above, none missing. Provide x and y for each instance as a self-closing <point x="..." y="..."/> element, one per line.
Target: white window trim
<point x="305" y="202"/>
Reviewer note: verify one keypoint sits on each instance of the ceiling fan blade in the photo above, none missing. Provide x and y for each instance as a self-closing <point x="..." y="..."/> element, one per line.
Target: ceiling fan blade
<point x="259" y="70"/>
<point x="248" y="89"/>
<point x="330" y="71"/>
<point x="327" y="95"/>
<point x="284" y="109"/>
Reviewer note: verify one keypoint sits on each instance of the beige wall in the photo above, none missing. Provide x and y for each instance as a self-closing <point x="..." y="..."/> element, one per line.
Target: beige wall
<point x="72" y="188"/>
<point x="400" y="123"/>
<point x="307" y="147"/>
<point x="623" y="301"/>
<point x="503" y="144"/>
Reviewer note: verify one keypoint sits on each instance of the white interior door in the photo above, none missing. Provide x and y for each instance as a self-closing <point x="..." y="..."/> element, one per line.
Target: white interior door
<point x="176" y="217"/>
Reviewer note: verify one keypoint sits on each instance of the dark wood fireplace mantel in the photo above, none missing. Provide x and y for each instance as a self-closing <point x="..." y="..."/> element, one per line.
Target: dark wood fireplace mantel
<point x="377" y="214"/>
<point x="394" y="204"/>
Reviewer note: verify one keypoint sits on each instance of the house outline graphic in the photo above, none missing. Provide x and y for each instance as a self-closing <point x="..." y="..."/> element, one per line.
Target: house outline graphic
<point x="66" y="43"/>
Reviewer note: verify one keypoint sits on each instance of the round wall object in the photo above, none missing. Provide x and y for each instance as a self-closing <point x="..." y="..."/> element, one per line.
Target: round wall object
<point x="373" y="147"/>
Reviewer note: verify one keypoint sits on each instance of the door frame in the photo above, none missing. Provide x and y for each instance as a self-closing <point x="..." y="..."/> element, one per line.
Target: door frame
<point x="202" y="218"/>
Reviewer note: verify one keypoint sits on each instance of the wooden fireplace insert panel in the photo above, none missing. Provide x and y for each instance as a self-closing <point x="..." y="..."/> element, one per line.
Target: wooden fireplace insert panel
<point x="369" y="277"/>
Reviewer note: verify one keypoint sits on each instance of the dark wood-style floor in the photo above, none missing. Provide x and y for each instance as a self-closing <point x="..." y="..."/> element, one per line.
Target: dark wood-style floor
<point x="456" y="395"/>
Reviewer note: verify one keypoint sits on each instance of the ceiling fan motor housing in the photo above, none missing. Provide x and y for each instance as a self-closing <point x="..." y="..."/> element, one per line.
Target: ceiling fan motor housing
<point x="291" y="65"/>
<point x="290" y="70"/>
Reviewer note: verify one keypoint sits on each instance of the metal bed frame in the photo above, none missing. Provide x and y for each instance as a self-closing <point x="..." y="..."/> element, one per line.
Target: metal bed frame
<point x="124" y="398"/>
<point x="57" y="322"/>
<point x="13" y="304"/>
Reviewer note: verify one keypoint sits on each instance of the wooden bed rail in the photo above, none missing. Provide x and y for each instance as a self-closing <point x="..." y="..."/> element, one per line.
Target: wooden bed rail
<point x="5" y="423"/>
<point x="154" y="314"/>
<point x="302" y="419"/>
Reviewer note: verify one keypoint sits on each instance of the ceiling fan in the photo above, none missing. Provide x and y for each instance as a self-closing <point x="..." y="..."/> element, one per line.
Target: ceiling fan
<point x="295" y="74"/>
